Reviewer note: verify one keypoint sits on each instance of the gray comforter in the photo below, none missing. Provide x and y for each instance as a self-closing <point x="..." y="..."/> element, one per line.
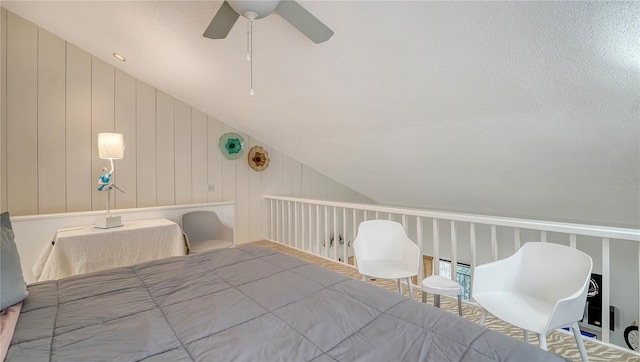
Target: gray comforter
<point x="245" y="303"/>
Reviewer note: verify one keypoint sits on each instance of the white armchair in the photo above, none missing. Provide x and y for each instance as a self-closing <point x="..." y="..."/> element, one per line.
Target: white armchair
<point x="542" y="287"/>
<point x="383" y="250"/>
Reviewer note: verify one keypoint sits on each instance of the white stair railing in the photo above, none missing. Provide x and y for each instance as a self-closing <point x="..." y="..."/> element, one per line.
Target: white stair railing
<point x="327" y="228"/>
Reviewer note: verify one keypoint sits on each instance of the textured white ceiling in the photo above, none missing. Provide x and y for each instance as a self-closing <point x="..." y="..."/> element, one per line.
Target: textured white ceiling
<point x="510" y="108"/>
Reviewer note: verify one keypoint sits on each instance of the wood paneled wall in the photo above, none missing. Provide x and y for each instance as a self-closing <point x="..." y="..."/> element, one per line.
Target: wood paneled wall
<point x="56" y="98"/>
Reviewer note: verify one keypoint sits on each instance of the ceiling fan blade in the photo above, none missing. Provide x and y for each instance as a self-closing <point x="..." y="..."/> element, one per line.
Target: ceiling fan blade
<point x="222" y="22"/>
<point x="300" y="18"/>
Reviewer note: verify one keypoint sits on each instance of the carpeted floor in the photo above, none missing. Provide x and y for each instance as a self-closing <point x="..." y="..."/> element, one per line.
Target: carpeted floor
<point x="561" y="344"/>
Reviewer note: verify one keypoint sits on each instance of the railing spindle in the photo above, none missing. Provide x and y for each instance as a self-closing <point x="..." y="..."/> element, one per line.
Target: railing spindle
<point x="420" y="243"/>
<point x="318" y="229"/>
<point x="303" y="233"/>
<point x="289" y="226"/>
<point x="572" y="240"/>
<point x="345" y="254"/>
<point x="355" y="224"/>
<point x="472" y="244"/>
<point x="543" y="236"/>
<point x="326" y="231"/>
<point x="295" y="224"/>
<point x="516" y="237"/>
<point x="335" y="233"/>
<point x="494" y="243"/>
<point x="278" y="221"/>
<point x="436" y="247"/>
<point x="271" y="218"/>
<point x="310" y="231"/>
<point x="355" y="234"/>
<point x="606" y="290"/>
<point x="283" y="224"/>
<point x="404" y="222"/>
<point x="454" y="252"/>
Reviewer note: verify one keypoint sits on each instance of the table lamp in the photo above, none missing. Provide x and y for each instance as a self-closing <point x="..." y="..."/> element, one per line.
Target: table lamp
<point x="110" y="147"/>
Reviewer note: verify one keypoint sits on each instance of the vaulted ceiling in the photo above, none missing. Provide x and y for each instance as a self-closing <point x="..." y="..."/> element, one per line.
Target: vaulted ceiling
<point x="510" y="108"/>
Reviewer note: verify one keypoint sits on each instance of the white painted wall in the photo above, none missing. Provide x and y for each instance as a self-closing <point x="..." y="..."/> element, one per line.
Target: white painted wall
<point x="56" y="98"/>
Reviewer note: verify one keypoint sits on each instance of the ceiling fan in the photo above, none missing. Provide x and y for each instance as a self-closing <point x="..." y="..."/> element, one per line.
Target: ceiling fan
<point x="290" y="10"/>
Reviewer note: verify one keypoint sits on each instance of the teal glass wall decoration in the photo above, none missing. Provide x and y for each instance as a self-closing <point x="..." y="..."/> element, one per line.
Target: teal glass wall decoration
<point x="231" y="145"/>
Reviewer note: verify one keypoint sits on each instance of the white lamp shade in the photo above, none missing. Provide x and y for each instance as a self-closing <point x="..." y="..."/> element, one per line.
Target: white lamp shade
<point x="110" y="146"/>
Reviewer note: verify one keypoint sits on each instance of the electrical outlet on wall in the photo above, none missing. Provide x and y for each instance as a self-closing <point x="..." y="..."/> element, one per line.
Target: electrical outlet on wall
<point x="212" y="187"/>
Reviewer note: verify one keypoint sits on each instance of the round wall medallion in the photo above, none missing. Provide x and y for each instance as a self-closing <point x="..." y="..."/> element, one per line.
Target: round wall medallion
<point x="231" y="145"/>
<point x="258" y="158"/>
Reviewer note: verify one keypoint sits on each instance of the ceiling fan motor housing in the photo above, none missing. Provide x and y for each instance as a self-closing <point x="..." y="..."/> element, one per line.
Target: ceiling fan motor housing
<point x="256" y="9"/>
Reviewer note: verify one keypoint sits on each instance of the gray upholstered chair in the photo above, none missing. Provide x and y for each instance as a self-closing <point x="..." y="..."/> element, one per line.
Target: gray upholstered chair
<point x="204" y="231"/>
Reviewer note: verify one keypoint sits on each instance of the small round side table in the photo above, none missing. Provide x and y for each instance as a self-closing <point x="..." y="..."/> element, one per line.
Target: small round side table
<point x="439" y="285"/>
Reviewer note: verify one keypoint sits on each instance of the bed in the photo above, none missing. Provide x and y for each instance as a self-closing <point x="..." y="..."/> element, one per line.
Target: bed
<point x="244" y="303"/>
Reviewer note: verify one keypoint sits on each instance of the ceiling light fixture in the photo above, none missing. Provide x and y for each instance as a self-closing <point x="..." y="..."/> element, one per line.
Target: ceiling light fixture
<point x="119" y="57"/>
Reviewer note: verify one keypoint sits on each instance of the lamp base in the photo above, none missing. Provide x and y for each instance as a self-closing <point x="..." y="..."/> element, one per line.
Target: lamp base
<point x="107" y="222"/>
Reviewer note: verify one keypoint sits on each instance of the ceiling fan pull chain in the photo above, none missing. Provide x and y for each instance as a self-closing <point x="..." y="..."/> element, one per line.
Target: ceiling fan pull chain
<point x="250" y="55"/>
<point x="248" y="40"/>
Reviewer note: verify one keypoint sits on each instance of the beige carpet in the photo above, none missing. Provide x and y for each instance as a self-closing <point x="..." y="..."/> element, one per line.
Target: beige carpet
<point x="561" y="344"/>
